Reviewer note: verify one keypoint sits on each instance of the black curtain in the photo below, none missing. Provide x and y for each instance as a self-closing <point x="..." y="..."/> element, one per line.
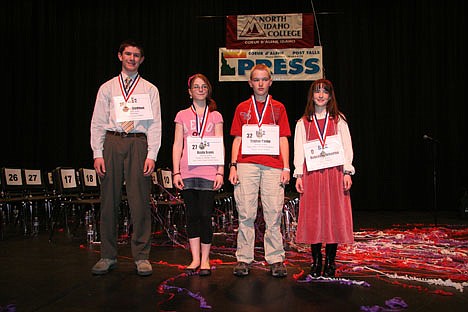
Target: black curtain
<point x="399" y="69"/>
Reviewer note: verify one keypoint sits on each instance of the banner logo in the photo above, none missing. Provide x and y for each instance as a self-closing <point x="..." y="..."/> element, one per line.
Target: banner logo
<point x="268" y="31"/>
<point x="285" y="64"/>
<point x="252" y="29"/>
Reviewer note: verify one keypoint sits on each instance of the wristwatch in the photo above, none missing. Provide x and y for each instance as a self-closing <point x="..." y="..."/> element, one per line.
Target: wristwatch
<point x="234" y="164"/>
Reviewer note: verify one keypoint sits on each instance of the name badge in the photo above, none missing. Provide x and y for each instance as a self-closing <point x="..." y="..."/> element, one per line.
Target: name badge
<point x="138" y="107"/>
<point x="330" y="155"/>
<point x="263" y="140"/>
<point x="205" y="151"/>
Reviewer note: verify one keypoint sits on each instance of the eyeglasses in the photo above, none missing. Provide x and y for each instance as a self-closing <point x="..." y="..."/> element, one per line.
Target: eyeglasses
<point x="197" y="87"/>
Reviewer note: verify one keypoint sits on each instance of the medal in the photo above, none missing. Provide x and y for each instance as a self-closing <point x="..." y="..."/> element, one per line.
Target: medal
<point x="322" y="133"/>
<point x="260" y="115"/>
<point x="127" y="92"/>
<point x="200" y="124"/>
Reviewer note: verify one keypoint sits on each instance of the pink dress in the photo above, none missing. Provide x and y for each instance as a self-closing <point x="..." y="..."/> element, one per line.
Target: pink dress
<point x="325" y="214"/>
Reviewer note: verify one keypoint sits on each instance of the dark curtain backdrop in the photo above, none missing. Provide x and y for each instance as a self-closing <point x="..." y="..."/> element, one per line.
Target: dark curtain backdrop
<point x="399" y="68"/>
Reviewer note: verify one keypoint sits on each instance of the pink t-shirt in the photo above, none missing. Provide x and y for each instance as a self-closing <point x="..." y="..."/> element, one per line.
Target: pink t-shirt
<point x="187" y="119"/>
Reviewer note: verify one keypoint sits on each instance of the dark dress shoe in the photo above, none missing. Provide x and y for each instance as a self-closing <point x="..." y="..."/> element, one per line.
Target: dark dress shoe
<point x="205" y="272"/>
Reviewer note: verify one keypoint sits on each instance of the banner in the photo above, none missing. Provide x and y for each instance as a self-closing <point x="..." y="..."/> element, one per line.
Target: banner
<point x="270" y="31"/>
<point x="285" y="64"/>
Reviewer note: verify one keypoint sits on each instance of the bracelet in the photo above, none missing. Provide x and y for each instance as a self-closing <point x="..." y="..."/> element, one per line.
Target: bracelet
<point x="220" y="174"/>
<point x="234" y="164"/>
<point x="174" y="174"/>
<point x="346" y="172"/>
<point x="286" y="169"/>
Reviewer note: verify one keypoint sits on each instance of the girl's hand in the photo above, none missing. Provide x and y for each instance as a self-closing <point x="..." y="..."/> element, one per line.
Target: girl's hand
<point x="177" y="181"/>
<point x="299" y="185"/>
<point x="218" y="182"/>
<point x="347" y="182"/>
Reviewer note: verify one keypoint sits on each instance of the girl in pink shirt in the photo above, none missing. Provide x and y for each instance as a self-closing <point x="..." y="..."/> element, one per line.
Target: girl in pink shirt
<point x="198" y="183"/>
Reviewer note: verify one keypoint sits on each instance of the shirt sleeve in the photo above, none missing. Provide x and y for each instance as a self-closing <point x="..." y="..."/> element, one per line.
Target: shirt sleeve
<point x="178" y="118"/>
<point x="155" y="127"/>
<point x="345" y="135"/>
<point x="218" y="117"/>
<point x="299" y="140"/>
<point x="285" y="130"/>
<point x="236" y="127"/>
<point x="100" y="120"/>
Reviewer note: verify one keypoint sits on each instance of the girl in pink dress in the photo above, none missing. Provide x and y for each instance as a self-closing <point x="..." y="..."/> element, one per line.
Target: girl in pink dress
<point x="325" y="207"/>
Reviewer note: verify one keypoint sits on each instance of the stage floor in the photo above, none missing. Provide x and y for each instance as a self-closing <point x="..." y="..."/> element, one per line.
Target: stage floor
<point x="397" y="255"/>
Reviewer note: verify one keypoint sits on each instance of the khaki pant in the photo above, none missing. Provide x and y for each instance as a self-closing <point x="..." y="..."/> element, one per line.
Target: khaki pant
<point x="253" y="177"/>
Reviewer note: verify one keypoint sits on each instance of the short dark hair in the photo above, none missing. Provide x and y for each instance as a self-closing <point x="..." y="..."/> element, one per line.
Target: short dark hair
<point x="131" y="43"/>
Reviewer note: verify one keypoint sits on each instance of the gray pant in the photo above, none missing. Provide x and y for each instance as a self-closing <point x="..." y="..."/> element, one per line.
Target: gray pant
<point x="124" y="159"/>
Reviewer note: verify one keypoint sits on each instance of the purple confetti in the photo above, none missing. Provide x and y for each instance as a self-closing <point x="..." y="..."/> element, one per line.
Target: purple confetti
<point x="8" y="308"/>
<point x="198" y="297"/>
<point x="392" y="305"/>
<point x="343" y="281"/>
<point x="396" y="303"/>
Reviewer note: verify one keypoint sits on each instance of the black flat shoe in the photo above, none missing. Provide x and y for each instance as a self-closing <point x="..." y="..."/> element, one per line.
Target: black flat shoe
<point x="190" y="270"/>
<point x="205" y="272"/>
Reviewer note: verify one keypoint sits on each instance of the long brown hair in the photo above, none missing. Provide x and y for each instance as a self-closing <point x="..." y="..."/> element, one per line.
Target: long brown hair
<point x="332" y="105"/>
<point x="211" y="103"/>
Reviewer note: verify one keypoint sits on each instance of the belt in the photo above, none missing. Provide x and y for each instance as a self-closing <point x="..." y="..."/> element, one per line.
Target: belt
<point x="124" y="134"/>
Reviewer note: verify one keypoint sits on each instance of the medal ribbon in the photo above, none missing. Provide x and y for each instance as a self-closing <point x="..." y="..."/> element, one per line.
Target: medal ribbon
<point x="127" y="93"/>
<point x="201" y="124"/>
<point x="260" y="118"/>
<point x="322" y="133"/>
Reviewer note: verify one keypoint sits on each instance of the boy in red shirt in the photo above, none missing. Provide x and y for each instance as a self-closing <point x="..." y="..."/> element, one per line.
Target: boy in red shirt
<point x="260" y="161"/>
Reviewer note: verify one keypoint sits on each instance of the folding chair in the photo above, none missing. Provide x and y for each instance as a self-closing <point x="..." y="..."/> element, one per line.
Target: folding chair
<point x="162" y="184"/>
<point x="89" y="183"/>
<point x="66" y="188"/>
<point x="88" y="201"/>
<point x="168" y="208"/>
<point x="36" y="198"/>
<point x="13" y="200"/>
